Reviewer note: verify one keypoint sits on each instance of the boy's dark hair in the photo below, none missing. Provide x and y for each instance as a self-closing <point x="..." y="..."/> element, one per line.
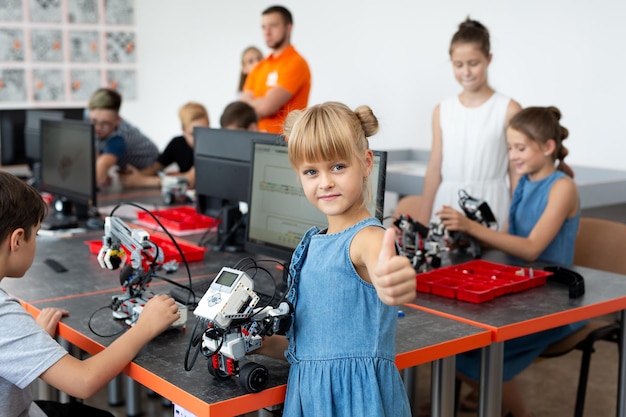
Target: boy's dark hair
<point x="105" y="98"/>
<point x="239" y="114"/>
<point x="20" y="206"/>
<point x="286" y="14"/>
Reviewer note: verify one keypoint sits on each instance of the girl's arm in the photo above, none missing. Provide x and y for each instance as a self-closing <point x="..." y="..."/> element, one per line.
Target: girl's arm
<point x="562" y="204"/>
<point x="83" y="378"/>
<point x="273" y="346"/>
<point x="432" y="178"/>
<point x="373" y="253"/>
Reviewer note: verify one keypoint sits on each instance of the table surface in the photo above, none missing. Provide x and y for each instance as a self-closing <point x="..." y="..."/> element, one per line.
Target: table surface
<point x="86" y="290"/>
<point x="509" y="316"/>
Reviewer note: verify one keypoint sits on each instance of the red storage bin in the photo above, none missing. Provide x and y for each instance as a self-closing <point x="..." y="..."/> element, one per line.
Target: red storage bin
<point x="178" y="219"/>
<point x="477" y="292"/>
<point x="193" y="253"/>
<point x="478" y="281"/>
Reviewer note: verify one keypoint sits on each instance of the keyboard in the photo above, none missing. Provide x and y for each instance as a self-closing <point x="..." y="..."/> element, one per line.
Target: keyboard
<point x="200" y="286"/>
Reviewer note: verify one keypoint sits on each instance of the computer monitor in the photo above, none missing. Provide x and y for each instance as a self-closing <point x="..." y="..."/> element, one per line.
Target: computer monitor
<point x="279" y="213"/>
<point x="68" y="160"/>
<point x="222" y="160"/>
<point x="12" y="150"/>
<point x="32" y="139"/>
<point x="19" y="135"/>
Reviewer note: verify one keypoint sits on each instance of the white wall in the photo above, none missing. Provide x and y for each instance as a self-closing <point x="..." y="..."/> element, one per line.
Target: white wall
<point x="394" y="56"/>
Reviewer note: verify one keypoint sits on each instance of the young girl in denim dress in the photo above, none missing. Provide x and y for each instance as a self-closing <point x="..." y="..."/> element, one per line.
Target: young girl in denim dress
<point x="542" y="226"/>
<point x="345" y="280"/>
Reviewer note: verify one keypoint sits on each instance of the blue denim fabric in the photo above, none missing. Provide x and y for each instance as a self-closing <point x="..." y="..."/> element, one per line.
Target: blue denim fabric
<point x="342" y="340"/>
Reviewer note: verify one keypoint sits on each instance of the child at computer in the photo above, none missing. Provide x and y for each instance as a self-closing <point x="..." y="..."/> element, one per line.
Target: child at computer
<point x="27" y="348"/>
<point x="543" y="222"/>
<point x="239" y="115"/>
<point x="178" y="151"/>
<point x="345" y="280"/>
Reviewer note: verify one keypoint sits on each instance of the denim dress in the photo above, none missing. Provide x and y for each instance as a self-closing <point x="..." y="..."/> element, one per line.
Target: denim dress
<point x="342" y="340"/>
<point x="529" y="201"/>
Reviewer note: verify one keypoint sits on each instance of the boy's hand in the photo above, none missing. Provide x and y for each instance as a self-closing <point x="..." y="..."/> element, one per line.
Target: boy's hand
<point x="158" y="314"/>
<point x="453" y="220"/>
<point x="49" y="318"/>
<point x="395" y="277"/>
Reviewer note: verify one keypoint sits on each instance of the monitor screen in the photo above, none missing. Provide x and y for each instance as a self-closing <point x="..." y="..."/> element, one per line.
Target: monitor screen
<point x="222" y="160"/>
<point x="12" y="137"/>
<point x="32" y="130"/>
<point x="68" y="165"/>
<point x="279" y="213"/>
<point x="19" y="134"/>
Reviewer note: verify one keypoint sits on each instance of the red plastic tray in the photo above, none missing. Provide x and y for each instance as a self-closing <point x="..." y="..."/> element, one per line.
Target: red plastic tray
<point x="193" y="253"/>
<point x="184" y="218"/>
<point x="479" y="281"/>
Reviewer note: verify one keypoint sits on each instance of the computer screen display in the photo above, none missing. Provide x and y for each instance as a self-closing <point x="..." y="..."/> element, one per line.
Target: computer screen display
<point x="222" y="161"/>
<point x="19" y="133"/>
<point x="12" y="137"/>
<point x="32" y="130"/>
<point x="279" y="213"/>
<point x="68" y="156"/>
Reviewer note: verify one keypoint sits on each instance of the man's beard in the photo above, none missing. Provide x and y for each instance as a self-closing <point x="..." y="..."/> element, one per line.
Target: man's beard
<point x="279" y="44"/>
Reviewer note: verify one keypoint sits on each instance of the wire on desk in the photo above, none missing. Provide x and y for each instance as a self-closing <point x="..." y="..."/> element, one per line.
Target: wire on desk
<point x="172" y="239"/>
<point x="89" y="324"/>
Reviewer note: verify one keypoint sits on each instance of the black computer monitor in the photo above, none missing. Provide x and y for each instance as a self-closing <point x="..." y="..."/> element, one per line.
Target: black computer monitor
<point x="279" y="213"/>
<point x="222" y="160"/>
<point x="32" y="139"/>
<point x="68" y="161"/>
<point x="12" y="150"/>
<point x="19" y="135"/>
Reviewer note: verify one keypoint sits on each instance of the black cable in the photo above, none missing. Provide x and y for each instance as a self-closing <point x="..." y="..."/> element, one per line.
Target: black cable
<point x="193" y="341"/>
<point x="180" y="252"/>
<point x="231" y="232"/>
<point x="95" y="332"/>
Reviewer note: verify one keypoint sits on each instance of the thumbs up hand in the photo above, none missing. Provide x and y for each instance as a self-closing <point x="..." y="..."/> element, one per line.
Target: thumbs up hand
<point x="394" y="277"/>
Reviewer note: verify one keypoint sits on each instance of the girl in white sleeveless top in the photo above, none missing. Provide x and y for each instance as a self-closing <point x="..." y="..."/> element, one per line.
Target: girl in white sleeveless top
<point x="469" y="150"/>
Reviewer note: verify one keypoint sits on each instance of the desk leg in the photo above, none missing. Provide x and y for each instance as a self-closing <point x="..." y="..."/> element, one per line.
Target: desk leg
<point x="491" y="364"/>
<point x="621" y="382"/>
<point x="63" y="397"/>
<point x="442" y="387"/>
<point x="115" y="391"/>
<point x="409" y="378"/>
<point x="133" y="397"/>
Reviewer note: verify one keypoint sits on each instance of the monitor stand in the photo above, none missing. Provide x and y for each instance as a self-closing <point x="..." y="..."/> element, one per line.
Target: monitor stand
<point x="60" y="217"/>
<point x="231" y="230"/>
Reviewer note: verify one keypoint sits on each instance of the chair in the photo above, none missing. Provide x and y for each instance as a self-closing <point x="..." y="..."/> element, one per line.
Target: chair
<point x="600" y="244"/>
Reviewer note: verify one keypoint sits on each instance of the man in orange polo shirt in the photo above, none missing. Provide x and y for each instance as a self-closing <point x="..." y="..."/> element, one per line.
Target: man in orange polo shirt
<point x="281" y="82"/>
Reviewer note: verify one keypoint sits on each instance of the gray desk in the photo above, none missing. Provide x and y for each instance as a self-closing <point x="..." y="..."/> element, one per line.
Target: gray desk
<point x="509" y="317"/>
<point x="422" y="337"/>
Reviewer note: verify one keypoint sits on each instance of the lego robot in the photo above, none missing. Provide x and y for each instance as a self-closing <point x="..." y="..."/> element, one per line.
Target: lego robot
<point x="424" y="246"/>
<point x="418" y="243"/>
<point x="145" y="258"/>
<point x="174" y="188"/>
<point x="234" y="326"/>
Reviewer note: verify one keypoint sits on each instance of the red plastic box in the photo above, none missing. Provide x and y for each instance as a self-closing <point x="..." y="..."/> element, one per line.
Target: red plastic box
<point x="178" y="219"/>
<point x="193" y="253"/>
<point x="478" y="281"/>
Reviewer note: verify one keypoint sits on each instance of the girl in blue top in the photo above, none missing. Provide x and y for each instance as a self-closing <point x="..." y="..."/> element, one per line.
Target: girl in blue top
<point x="345" y="280"/>
<point x="543" y="222"/>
